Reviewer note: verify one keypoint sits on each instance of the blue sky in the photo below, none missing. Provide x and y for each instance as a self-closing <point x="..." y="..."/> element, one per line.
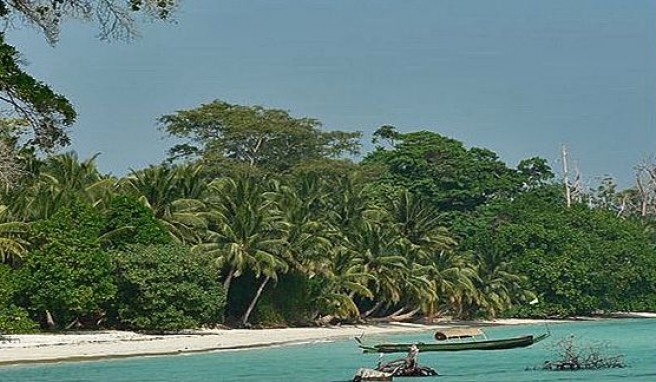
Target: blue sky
<point x="520" y="77"/>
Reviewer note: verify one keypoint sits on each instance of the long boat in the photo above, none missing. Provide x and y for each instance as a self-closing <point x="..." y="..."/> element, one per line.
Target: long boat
<point x="485" y="344"/>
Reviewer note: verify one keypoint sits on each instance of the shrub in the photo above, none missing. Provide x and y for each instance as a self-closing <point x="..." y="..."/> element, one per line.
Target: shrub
<point x="164" y="288"/>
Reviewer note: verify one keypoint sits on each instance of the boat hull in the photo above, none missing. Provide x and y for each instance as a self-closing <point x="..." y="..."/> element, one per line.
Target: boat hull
<point x="500" y="344"/>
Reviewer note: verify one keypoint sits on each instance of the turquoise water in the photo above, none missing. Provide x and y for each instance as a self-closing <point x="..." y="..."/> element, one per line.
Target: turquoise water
<point x="337" y="361"/>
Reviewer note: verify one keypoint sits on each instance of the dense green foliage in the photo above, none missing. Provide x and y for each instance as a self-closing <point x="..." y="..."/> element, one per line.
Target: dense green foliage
<point x="224" y="134"/>
<point x="579" y="260"/>
<point x="261" y="217"/>
<point x="13" y="319"/>
<point x="67" y="275"/>
<point x="165" y="287"/>
<point x="441" y="169"/>
<point x="265" y="224"/>
<point x="129" y="221"/>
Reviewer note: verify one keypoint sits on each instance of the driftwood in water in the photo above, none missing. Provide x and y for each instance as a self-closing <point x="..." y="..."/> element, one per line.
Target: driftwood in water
<point x="407" y="366"/>
<point x="365" y="374"/>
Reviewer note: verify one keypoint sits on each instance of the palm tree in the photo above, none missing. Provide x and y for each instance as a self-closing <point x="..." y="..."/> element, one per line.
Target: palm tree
<point x="12" y="245"/>
<point x="174" y="194"/>
<point x="296" y="210"/>
<point x="244" y="235"/>
<point x="61" y="179"/>
<point x="497" y="286"/>
<point x="379" y="249"/>
<point x="453" y="274"/>
<point x="348" y="203"/>
<point x="344" y="279"/>
<point x="418" y="221"/>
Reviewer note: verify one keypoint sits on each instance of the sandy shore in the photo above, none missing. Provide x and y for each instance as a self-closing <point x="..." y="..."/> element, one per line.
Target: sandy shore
<point x="107" y="344"/>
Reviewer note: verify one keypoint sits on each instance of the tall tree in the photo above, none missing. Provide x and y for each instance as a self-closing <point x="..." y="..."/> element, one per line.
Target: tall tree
<point x="442" y="170"/>
<point x="253" y="136"/>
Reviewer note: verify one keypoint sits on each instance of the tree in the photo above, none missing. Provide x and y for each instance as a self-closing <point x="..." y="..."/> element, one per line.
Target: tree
<point x="224" y="134"/>
<point x="49" y="113"/>
<point x="114" y="17"/>
<point x="243" y="236"/>
<point x="450" y="176"/>
<point x="174" y="194"/>
<point x="59" y="181"/>
<point x="13" y="244"/>
<point x="128" y="221"/>
<point x="67" y="278"/>
<point x="577" y="260"/>
<point x="498" y="286"/>
<point x="380" y="249"/>
<point x="14" y="155"/>
<point x="297" y="214"/>
<point x="13" y="319"/>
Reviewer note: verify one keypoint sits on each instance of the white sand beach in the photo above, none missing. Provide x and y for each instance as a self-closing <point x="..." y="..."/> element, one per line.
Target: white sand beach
<point x="105" y="344"/>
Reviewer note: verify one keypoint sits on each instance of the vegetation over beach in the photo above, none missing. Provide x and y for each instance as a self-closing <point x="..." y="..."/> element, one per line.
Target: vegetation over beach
<point x="261" y="217"/>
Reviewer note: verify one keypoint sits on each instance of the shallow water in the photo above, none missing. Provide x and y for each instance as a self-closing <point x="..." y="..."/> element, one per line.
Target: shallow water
<point x="337" y="361"/>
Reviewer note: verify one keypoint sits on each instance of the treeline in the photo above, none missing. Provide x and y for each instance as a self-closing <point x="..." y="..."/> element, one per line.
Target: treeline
<point x="258" y="217"/>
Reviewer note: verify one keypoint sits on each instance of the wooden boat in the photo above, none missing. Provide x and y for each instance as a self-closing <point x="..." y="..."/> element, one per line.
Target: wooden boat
<point x="444" y="345"/>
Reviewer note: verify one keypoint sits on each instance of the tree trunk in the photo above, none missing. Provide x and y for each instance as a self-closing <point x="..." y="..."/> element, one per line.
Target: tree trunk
<point x="49" y="320"/>
<point x="74" y="324"/>
<point x="372" y="310"/>
<point x="404" y="317"/>
<point x="397" y="316"/>
<point x="228" y="280"/>
<point x="247" y="315"/>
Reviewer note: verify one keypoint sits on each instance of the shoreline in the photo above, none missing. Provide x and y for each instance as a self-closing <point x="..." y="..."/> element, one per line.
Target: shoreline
<point x="91" y="346"/>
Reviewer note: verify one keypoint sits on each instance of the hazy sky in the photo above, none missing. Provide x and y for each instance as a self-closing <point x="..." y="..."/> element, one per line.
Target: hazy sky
<point x="519" y="77"/>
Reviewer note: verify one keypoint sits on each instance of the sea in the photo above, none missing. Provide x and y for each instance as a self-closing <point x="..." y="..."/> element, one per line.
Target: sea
<point x="338" y="360"/>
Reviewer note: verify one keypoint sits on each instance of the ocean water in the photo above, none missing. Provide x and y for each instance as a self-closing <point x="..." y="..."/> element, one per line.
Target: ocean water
<point x="338" y="360"/>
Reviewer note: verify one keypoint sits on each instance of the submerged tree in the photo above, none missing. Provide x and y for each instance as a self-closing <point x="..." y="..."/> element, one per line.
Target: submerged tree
<point x="571" y="355"/>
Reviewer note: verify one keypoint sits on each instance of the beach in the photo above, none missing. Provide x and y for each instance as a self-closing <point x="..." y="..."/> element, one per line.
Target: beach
<point x="114" y="344"/>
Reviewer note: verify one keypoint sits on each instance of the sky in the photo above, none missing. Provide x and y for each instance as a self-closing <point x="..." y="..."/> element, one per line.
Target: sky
<point x="519" y="77"/>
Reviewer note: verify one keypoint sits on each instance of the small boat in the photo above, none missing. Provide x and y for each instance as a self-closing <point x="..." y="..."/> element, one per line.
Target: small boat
<point x="445" y="345"/>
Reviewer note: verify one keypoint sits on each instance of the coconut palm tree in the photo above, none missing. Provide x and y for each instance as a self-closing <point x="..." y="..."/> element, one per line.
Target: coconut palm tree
<point x="297" y="215"/>
<point x="418" y="221"/>
<point x="497" y="286"/>
<point x="12" y="244"/>
<point x="453" y="274"/>
<point x="379" y="248"/>
<point x="61" y="179"/>
<point x="174" y="194"/>
<point x="345" y="279"/>
<point x="243" y="234"/>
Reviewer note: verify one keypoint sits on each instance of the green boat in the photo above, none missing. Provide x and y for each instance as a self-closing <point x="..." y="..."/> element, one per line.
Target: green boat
<point x="457" y="345"/>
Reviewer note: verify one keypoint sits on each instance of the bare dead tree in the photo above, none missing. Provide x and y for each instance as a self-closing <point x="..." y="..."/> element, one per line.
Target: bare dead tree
<point x="646" y="187"/>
